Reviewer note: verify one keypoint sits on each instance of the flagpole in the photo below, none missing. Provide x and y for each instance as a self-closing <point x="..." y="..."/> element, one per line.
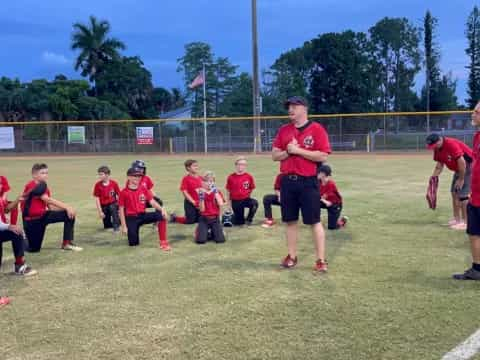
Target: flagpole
<point x="205" y="109"/>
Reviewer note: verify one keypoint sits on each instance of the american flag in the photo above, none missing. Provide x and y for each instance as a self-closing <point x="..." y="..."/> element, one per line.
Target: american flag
<point x="199" y="80"/>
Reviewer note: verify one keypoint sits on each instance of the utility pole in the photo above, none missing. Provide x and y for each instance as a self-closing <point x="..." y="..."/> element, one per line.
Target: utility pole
<point x="257" y="139"/>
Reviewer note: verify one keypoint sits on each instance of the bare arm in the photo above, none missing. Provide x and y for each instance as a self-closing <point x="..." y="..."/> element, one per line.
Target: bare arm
<point x="219" y="199"/>
<point x="438" y="169"/>
<point x="326" y="202"/>
<point x="158" y="207"/>
<point x="99" y="207"/>
<point x="279" y="155"/>
<point x="188" y="197"/>
<point x="462" y="167"/>
<point x="202" y="202"/>
<point x="316" y="156"/>
<point x="123" y="222"/>
<point x="13" y="204"/>
<point x="58" y="204"/>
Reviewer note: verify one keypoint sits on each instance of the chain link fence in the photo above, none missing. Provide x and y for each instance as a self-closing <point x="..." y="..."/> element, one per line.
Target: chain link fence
<point x="348" y="132"/>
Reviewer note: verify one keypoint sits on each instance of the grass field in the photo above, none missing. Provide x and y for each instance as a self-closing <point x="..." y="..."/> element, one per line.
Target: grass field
<point x="388" y="294"/>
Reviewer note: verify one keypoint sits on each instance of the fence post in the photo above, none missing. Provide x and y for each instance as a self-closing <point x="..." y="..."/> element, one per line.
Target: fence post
<point x="170" y="145"/>
<point x="368" y="142"/>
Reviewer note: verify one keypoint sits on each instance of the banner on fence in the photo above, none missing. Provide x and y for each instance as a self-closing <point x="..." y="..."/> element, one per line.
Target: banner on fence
<point x="145" y="135"/>
<point x="76" y="134"/>
<point x="7" y="138"/>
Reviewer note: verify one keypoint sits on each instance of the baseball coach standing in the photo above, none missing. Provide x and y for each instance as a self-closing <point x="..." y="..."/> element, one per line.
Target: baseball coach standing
<point x="300" y="146"/>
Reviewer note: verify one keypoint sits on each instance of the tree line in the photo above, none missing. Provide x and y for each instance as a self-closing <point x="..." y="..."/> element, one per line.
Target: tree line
<point x="339" y="72"/>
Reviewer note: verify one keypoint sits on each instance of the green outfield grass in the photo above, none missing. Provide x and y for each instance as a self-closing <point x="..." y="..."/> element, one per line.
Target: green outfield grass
<point x="388" y="294"/>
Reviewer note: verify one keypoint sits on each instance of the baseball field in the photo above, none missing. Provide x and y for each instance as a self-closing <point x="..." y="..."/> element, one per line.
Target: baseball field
<point x="388" y="293"/>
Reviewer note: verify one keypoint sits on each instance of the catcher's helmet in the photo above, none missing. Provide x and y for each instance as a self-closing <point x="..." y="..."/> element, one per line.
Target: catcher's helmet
<point x="227" y="218"/>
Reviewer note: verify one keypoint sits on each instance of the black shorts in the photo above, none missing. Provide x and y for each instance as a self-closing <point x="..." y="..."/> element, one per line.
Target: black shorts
<point x="300" y="193"/>
<point x="473" y="220"/>
<point x="192" y="214"/>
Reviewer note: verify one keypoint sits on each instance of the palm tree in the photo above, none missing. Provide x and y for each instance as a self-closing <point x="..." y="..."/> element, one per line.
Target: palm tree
<point x="96" y="48"/>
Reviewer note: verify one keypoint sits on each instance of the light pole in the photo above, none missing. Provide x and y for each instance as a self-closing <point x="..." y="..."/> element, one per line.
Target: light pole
<point x="257" y="140"/>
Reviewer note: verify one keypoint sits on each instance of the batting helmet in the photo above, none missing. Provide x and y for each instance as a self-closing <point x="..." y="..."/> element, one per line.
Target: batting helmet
<point x="227" y="218"/>
<point x="140" y="164"/>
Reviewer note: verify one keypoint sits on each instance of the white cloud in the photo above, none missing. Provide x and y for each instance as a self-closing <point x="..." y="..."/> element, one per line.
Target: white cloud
<point x="50" y="57"/>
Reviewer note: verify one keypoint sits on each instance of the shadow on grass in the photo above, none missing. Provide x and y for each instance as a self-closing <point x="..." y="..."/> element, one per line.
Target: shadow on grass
<point x="440" y="282"/>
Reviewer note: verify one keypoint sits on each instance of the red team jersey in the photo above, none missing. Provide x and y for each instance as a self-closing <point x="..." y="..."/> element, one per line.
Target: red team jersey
<point x="312" y="137"/>
<point x="2" y="212"/>
<point x="108" y="194"/>
<point x="190" y="184"/>
<point x="38" y="207"/>
<point x="134" y="201"/>
<point x="475" y="180"/>
<point x="240" y="186"/>
<point x="146" y="182"/>
<point x="277" y="184"/>
<point x="330" y="192"/>
<point x="211" y="206"/>
<point x="450" y="151"/>
<point x="5" y="185"/>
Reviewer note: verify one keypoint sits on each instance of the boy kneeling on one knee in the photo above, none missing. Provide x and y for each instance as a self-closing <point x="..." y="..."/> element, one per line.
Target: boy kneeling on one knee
<point x="133" y="203"/>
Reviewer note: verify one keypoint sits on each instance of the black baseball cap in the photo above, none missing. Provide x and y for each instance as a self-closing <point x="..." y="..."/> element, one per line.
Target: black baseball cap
<point x="133" y="171"/>
<point x="432" y="140"/>
<point x="325" y="169"/>
<point x="295" y="100"/>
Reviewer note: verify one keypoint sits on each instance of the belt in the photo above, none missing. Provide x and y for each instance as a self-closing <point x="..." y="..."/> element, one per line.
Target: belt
<point x="32" y="218"/>
<point x="295" y="177"/>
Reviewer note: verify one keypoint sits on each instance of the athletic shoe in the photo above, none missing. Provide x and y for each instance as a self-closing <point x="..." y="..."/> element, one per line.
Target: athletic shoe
<point x="24" y="270"/>
<point x="452" y="222"/>
<point x="248" y="223"/>
<point x="470" y="274"/>
<point x="459" y="226"/>
<point x="71" y="247"/>
<point x="268" y="223"/>
<point x="4" y="301"/>
<point x="289" y="262"/>
<point x="342" y="221"/>
<point x="321" y="266"/>
<point x="165" y="246"/>
<point x="173" y="218"/>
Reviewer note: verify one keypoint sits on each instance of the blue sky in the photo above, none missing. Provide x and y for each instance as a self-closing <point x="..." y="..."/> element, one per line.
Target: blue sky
<point x="35" y="35"/>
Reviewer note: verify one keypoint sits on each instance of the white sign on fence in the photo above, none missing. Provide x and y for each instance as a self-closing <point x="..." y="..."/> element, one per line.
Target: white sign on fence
<point x="144" y="135"/>
<point x="7" y="138"/>
<point x="76" y="134"/>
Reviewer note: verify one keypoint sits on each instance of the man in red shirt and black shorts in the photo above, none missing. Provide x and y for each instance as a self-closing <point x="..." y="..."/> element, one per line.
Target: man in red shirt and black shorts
<point x="300" y="146"/>
<point x="473" y="207"/>
<point x="457" y="157"/>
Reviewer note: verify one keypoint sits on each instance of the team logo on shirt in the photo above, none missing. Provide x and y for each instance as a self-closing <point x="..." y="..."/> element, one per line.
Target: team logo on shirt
<point x="142" y="198"/>
<point x="246" y="185"/>
<point x="112" y="193"/>
<point x="308" y="141"/>
<point x="449" y="158"/>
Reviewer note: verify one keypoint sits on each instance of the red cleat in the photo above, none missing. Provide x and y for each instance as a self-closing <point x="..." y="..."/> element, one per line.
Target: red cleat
<point x="4" y="301"/>
<point x="321" y="266"/>
<point x="165" y="246"/>
<point x="289" y="262"/>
